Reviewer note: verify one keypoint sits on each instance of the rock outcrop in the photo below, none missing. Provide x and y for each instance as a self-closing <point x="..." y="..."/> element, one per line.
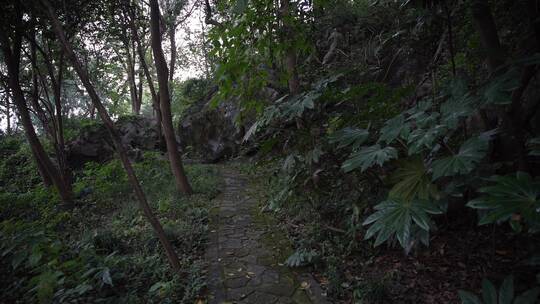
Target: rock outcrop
<point x="211" y="133"/>
<point x="94" y="143"/>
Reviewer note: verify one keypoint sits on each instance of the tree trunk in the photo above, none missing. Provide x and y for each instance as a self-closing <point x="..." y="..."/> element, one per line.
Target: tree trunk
<point x="45" y="165"/>
<point x="172" y="38"/>
<point x="131" y="82"/>
<point x="83" y="75"/>
<point x="8" y="114"/>
<point x="140" y="52"/>
<point x="182" y="183"/>
<point x="489" y="38"/>
<point x="290" y="53"/>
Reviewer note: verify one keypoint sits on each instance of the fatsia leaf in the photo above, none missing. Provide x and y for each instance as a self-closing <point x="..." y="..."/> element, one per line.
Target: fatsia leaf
<point x="499" y="90"/>
<point x="468" y="297"/>
<point x="470" y="153"/>
<point x="508" y="195"/>
<point x="412" y="180"/>
<point x="397" y="217"/>
<point x="369" y="156"/>
<point x="506" y="293"/>
<point x="349" y="136"/>
<point x="454" y="109"/>
<point x="392" y="129"/>
<point x="421" y="139"/>
<point x="489" y="293"/>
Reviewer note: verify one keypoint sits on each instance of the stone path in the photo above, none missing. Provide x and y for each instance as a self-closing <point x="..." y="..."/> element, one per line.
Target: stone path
<point x="246" y="252"/>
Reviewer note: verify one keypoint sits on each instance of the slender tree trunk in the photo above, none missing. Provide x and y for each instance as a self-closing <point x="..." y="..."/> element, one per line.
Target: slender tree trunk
<point x="85" y="79"/>
<point x="8" y="116"/>
<point x="172" y="38"/>
<point x="290" y="53"/>
<point x="177" y="168"/>
<point x="131" y="82"/>
<point x="140" y="89"/>
<point x="45" y="165"/>
<point x="140" y="52"/>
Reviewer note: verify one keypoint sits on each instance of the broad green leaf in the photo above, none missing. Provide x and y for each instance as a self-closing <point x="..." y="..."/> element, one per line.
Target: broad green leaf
<point x="421" y="139"/>
<point x="499" y="90"/>
<point x="399" y="218"/>
<point x="468" y="298"/>
<point x="412" y="180"/>
<point x="392" y="129"/>
<point x="470" y="153"/>
<point x="455" y="109"/>
<point x="369" y="156"/>
<point x="508" y="195"/>
<point x="489" y="293"/>
<point x="349" y="136"/>
<point x="506" y="293"/>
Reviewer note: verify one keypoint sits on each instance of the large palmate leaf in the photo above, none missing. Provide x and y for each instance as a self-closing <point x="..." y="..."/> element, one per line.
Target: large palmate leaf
<point x="504" y="296"/>
<point x="349" y="136"/>
<point x="412" y="180"/>
<point x="421" y="139"/>
<point x="424" y="120"/>
<point x="395" y="217"/>
<point x="369" y="156"/>
<point x="393" y="128"/>
<point x="499" y="90"/>
<point x="470" y="153"/>
<point x="297" y="105"/>
<point x="454" y="109"/>
<point x="515" y="198"/>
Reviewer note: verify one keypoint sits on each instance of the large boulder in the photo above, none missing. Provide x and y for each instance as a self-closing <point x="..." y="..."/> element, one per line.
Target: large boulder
<point x="211" y="133"/>
<point x="95" y="144"/>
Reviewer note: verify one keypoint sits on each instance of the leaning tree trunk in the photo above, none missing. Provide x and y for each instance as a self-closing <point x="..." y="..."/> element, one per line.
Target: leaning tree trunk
<point x="45" y="165"/>
<point x="132" y="177"/>
<point x="182" y="183"/>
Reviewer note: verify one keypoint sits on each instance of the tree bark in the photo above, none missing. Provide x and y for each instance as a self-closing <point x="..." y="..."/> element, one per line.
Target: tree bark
<point x="487" y="30"/>
<point x="140" y="52"/>
<point x="85" y="79"/>
<point x="172" y="38"/>
<point x="8" y="123"/>
<point x="290" y="53"/>
<point x="49" y="172"/>
<point x="182" y="183"/>
<point x="131" y="81"/>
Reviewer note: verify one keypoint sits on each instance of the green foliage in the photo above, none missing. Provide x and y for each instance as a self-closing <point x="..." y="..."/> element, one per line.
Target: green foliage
<point x="398" y="218"/>
<point x="96" y="254"/>
<point x="412" y="180"/>
<point x="470" y="153"/>
<point x="510" y="198"/>
<point x="369" y="156"/>
<point x="504" y="296"/>
<point x="349" y="137"/>
<point x="106" y="183"/>
<point x="301" y="258"/>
